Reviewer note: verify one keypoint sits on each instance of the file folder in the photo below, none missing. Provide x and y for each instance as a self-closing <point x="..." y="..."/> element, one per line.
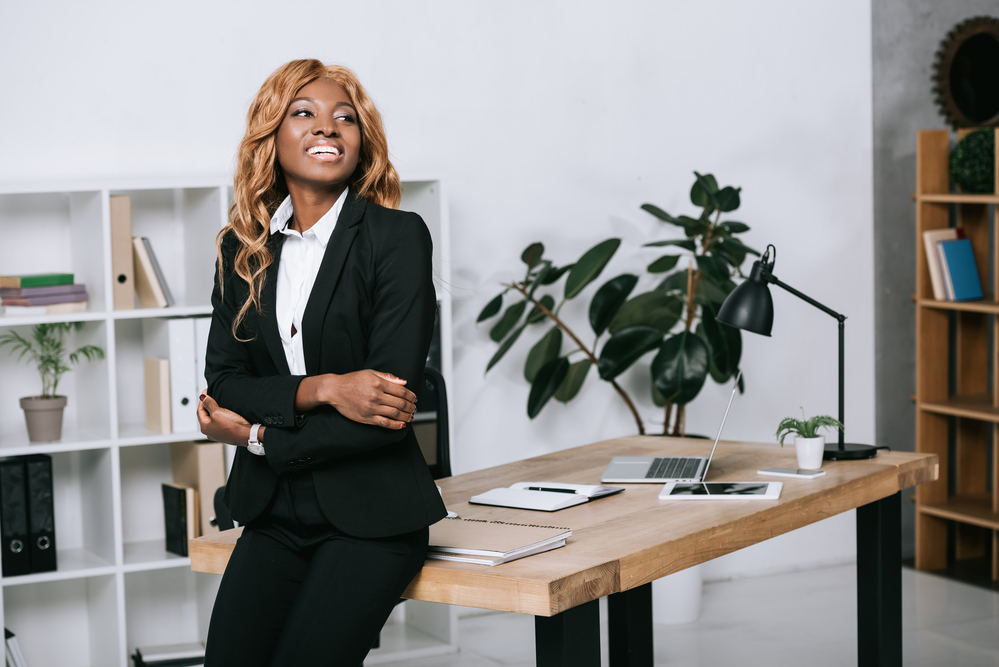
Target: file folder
<point x="41" y="512"/>
<point x="173" y="339"/>
<point x="122" y="268"/>
<point x="16" y="558"/>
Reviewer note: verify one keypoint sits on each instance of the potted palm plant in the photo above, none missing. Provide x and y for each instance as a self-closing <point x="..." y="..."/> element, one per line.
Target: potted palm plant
<point x="808" y="444"/>
<point x="47" y="351"/>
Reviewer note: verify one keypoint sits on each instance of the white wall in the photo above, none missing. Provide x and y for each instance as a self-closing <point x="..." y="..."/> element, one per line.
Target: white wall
<point x="550" y="121"/>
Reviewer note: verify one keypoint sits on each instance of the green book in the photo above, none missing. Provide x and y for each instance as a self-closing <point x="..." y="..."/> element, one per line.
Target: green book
<point x="37" y="280"/>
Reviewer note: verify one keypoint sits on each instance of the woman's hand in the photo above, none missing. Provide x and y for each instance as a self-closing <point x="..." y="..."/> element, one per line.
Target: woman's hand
<point x="370" y="397"/>
<point x="220" y="424"/>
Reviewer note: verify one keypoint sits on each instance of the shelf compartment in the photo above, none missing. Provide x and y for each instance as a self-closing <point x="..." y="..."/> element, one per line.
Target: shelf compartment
<point x="151" y="555"/>
<point x="72" y="623"/>
<point x="973" y="406"/>
<point x="989" y="305"/>
<point x="73" y="564"/>
<point x="170" y="606"/>
<point x="974" y="509"/>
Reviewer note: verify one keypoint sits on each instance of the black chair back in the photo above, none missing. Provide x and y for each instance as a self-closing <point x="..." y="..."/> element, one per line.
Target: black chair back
<point x="430" y="423"/>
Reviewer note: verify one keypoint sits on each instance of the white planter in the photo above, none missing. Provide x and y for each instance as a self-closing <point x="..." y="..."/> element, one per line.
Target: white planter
<point x="810" y="451"/>
<point x="676" y="599"/>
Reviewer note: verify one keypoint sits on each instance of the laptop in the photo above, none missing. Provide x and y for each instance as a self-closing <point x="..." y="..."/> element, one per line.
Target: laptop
<point x="664" y="469"/>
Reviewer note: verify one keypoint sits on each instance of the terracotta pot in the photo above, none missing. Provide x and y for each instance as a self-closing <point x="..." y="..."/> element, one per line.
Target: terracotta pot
<point x="44" y="417"/>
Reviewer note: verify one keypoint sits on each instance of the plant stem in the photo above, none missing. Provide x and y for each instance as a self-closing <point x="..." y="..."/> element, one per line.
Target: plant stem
<point x="540" y="306"/>
<point x="669" y="414"/>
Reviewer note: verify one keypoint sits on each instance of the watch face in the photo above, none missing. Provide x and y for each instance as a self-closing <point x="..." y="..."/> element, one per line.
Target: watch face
<point x="256" y="449"/>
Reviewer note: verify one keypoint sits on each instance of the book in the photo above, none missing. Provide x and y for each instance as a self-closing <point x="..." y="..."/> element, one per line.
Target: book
<point x="15" y="658"/>
<point x="147" y="284"/>
<point x="959" y="270"/>
<point x="37" y="280"/>
<point x="41" y="512"/>
<point x="930" y="239"/>
<point x="173" y="338"/>
<point x="180" y="517"/>
<point x="16" y="557"/>
<point x="122" y="264"/>
<point x="201" y="466"/>
<point x="543" y="496"/>
<point x="75" y="297"/>
<point x="159" y="272"/>
<point x="51" y="290"/>
<point x="54" y="309"/>
<point x="491" y="542"/>
<point x="174" y="655"/>
<point x="157" y="387"/>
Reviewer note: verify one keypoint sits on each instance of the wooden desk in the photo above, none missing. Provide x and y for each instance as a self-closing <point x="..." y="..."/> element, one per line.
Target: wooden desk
<point x="620" y="544"/>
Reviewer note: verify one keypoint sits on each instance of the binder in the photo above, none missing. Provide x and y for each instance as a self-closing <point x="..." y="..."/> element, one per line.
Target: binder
<point x="158" y="272"/>
<point x="157" y="383"/>
<point x="16" y="558"/>
<point x="147" y="285"/>
<point x="202" y="325"/>
<point x="122" y="268"/>
<point x="41" y="512"/>
<point x="201" y="466"/>
<point x="180" y="517"/>
<point x="173" y="339"/>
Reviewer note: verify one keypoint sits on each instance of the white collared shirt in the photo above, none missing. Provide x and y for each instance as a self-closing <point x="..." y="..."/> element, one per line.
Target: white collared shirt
<point x="301" y="258"/>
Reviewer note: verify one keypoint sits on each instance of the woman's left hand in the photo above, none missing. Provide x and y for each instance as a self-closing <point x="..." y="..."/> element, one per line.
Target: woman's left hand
<point x="222" y="425"/>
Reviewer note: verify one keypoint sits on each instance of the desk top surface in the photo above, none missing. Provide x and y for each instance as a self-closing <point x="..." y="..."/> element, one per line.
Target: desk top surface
<point x="629" y="539"/>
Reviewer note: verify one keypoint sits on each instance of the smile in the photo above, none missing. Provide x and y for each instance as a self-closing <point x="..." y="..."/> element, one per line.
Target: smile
<point x="324" y="151"/>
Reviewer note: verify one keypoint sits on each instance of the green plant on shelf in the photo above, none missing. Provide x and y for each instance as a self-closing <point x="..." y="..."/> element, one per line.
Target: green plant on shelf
<point x="46" y="349"/>
<point x="805" y="428"/>
<point x="629" y="328"/>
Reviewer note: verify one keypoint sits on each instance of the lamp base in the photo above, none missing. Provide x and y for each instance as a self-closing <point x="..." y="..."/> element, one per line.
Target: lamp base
<point x="848" y="452"/>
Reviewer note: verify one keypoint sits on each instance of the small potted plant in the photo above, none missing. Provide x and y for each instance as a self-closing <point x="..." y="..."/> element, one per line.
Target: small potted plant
<point x="808" y="444"/>
<point x="47" y="351"/>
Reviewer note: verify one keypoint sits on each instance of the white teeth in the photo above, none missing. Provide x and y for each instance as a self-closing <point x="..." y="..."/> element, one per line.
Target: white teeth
<point x="324" y="150"/>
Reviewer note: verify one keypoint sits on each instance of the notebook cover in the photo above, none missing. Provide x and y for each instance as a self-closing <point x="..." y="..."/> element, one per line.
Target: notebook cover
<point x="41" y="512"/>
<point x="490" y="538"/>
<point x="963" y="270"/>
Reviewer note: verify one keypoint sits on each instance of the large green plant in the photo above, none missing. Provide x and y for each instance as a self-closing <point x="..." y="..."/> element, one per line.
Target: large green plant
<point x="47" y="351"/>
<point x="625" y="329"/>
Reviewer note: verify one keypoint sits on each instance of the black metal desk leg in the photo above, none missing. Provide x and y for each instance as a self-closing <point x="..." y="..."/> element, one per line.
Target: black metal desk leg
<point x="879" y="583"/>
<point x="629" y="620"/>
<point x="569" y="639"/>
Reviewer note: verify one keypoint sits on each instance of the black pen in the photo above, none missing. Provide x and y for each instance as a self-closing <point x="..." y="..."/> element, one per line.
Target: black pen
<point x="541" y="488"/>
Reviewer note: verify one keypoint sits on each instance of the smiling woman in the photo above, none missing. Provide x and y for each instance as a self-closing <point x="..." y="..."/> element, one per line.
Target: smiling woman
<point x="323" y="309"/>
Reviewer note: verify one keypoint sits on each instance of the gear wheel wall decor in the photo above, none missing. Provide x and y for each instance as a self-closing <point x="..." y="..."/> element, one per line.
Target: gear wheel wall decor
<point x="966" y="73"/>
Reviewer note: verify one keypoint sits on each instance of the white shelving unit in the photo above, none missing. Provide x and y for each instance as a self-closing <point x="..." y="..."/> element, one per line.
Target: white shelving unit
<point x="116" y="586"/>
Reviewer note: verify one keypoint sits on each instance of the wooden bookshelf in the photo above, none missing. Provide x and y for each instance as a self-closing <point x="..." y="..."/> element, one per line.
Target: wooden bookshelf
<point x="957" y="373"/>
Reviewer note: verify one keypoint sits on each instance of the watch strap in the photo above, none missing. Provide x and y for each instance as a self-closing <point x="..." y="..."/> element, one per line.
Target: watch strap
<point x="253" y="444"/>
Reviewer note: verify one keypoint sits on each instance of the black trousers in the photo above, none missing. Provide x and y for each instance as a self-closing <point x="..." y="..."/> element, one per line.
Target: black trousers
<point x="297" y="591"/>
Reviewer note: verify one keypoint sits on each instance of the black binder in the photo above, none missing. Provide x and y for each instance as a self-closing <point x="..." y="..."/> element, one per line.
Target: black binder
<point x="175" y="513"/>
<point x="16" y="558"/>
<point x="41" y="512"/>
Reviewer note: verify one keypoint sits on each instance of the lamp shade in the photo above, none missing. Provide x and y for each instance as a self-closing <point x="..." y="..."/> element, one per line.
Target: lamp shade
<point x="749" y="306"/>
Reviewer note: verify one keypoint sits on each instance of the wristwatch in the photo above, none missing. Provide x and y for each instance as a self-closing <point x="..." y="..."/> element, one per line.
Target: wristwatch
<point x="253" y="444"/>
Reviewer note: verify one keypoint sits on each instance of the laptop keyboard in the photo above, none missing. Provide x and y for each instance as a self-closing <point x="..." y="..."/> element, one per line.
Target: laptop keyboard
<point x="672" y="467"/>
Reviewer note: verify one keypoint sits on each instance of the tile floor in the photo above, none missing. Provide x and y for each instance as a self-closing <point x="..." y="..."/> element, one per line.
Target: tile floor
<point x="800" y="618"/>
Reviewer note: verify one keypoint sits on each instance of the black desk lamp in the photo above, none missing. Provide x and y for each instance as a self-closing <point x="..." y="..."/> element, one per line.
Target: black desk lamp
<point x="750" y="307"/>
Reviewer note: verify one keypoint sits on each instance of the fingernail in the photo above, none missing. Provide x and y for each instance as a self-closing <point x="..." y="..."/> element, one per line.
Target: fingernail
<point x="203" y="397"/>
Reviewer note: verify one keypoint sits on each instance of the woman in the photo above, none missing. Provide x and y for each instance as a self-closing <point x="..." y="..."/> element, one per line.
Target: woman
<point x="323" y="312"/>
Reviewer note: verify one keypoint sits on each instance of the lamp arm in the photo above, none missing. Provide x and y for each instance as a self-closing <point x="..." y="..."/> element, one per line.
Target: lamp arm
<point x="804" y="297"/>
<point x="842" y="321"/>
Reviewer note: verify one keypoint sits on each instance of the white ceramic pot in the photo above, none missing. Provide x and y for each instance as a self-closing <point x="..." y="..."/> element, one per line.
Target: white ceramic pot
<point x="810" y="451"/>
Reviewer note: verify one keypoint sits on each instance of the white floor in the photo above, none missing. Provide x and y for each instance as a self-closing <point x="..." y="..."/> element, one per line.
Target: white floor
<point x="802" y="618"/>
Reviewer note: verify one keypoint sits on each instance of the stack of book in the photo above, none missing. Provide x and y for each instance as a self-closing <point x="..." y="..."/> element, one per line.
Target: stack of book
<point x="42" y="294"/>
<point x="491" y="542"/>
<point x="951" y="261"/>
<point x="15" y="658"/>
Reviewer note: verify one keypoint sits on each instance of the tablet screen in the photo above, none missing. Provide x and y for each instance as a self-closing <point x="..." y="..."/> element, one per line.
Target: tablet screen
<point x="720" y="489"/>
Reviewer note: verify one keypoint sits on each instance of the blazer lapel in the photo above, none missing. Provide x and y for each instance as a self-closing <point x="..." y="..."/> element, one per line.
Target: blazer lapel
<point x="268" y="306"/>
<point x="329" y="273"/>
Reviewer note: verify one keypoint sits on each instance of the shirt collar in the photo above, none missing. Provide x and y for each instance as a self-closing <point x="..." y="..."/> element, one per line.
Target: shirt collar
<point x="323" y="228"/>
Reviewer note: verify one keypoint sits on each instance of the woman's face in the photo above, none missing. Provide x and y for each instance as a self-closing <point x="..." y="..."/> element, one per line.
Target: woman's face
<point x="319" y="140"/>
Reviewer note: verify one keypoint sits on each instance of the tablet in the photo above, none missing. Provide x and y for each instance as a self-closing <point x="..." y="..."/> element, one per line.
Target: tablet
<point x="721" y="491"/>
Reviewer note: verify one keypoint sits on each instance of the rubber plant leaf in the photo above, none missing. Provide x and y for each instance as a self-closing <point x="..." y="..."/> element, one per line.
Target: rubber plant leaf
<point x="698" y="197"/>
<point x="491" y="308"/>
<point x="609" y="299"/>
<point x="589" y="266"/>
<point x="660" y="310"/>
<point x="508" y="321"/>
<point x="625" y="347"/>
<point x="537" y="315"/>
<point x="505" y="346"/>
<point x="663" y="215"/>
<point x="661" y="265"/>
<point x="546" y="382"/>
<point x="686" y="244"/>
<point x="573" y="381"/>
<point x="543" y="351"/>
<point x="715" y="269"/>
<point x="728" y="198"/>
<point x="532" y="254"/>
<point x="680" y="367"/>
<point x="735" y="227"/>
<point x="554" y="274"/>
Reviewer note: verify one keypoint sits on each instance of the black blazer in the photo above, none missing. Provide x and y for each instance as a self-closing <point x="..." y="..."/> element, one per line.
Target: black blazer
<point x="372" y="306"/>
